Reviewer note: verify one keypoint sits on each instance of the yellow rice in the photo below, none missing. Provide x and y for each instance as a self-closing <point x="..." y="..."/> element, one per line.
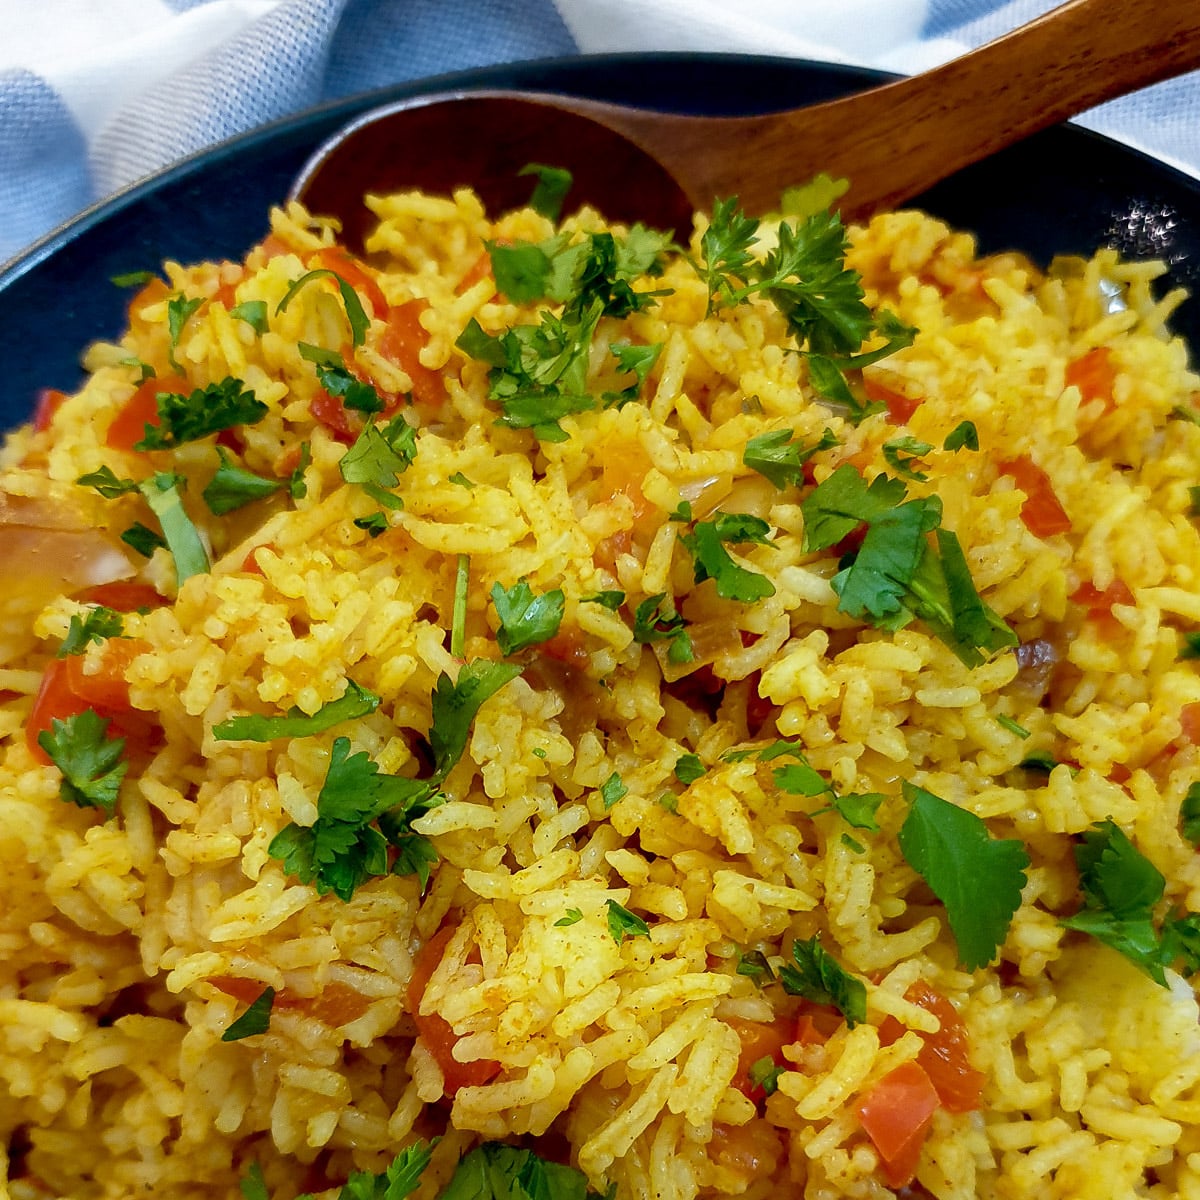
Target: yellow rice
<point x="619" y="1058"/>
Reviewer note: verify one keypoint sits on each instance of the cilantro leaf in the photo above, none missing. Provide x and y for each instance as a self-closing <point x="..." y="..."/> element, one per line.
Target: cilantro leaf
<point x="296" y="486"/>
<point x="498" y="1171"/>
<point x="902" y="453"/>
<point x="781" y="460"/>
<point x="712" y="561"/>
<point x="100" y="624"/>
<point x="817" y="976"/>
<point x="356" y="701"/>
<point x="612" y="790"/>
<point x="765" y="1074"/>
<point x="654" y="623"/>
<point x="179" y="310"/>
<point x="253" y="1186"/>
<point x="415" y="854"/>
<point x="689" y="768"/>
<point x="640" y="361"/>
<point x="355" y="313"/>
<point x="525" y="619"/>
<point x="978" y="878"/>
<point x="143" y="539"/>
<point x="964" y="436"/>
<point x="256" y="1019"/>
<point x="553" y="184"/>
<point x="380" y="454"/>
<point x="1181" y="940"/>
<point x="611" y="600"/>
<point x="455" y="704"/>
<point x="375" y="523"/>
<point x="91" y="762"/>
<point x="1189" y="815"/>
<point x="161" y="491"/>
<point x="458" y="615"/>
<point x="622" y="923"/>
<point x="342" y="849"/>
<point x="253" y="312"/>
<point x="400" y="1179"/>
<point x="233" y="487"/>
<point x="571" y="917"/>
<point x="845" y="501"/>
<point x="106" y="482"/>
<point x="132" y="279"/>
<point x="754" y="964"/>
<point x="207" y="410"/>
<point x="336" y="378"/>
<point x="857" y="810"/>
<point x="725" y="251"/>
<point x="800" y="779"/>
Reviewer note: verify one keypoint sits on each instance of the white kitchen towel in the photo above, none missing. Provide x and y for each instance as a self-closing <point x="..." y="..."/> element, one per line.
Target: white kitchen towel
<point x="96" y="94"/>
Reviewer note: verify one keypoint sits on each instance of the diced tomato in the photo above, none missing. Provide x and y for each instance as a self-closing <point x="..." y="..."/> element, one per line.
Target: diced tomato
<point x="122" y="596"/>
<point x="759" y="1040"/>
<point x="141" y="409"/>
<point x="1189" y="723"/>
<point x="67" y="691"/>
<point x="945" y="1056"/>
<point x="896" y="1114"/>
<point x="481" y="268"/>
<point x="335" y="259"/>
<point x="402" y="343"/>
<point x="1041" y="511"/>
<point x="899" y="406"/>
<point x="435" y="1030"/>
<point x="49" y="401"/>
<point x="1094" y="375"/>
<point x="1099" y="604"/>
<point x="567" y="647"/>
<point x="273" y="246"/>
<point x="250" y="563"/>
<point x="336" y="1004"/>
<point x="751" y="1151"/>
<point x="331" y="412"/>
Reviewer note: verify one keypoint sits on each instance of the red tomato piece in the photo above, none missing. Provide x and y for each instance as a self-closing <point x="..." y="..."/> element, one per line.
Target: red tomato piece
<point x="331" y="412"/>
<point x="141" y="409"/>
<point x="946" y="1057"/>
<point x="122" y="596"/>
<point x="402" y="343"/>
<point x="896" y="1114"/>
<point x="899" y="406"/>
<point x="335" y="259"/>
<point x="759" y="1041"/>
<point x="1094" y="375"/>
<point x="1099" y="604"/>
<point x="1041" y="512"/>
<point x="49" y="401"/>
<point x="1189" y="722"/>
<point x="435" y="1030"/>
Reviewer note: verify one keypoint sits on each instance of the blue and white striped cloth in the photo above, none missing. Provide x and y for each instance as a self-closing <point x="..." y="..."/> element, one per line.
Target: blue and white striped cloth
<point x="95" y="94"/>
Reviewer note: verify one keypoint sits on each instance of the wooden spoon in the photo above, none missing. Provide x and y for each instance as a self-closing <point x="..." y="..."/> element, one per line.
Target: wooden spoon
<point x="892" y="142"/>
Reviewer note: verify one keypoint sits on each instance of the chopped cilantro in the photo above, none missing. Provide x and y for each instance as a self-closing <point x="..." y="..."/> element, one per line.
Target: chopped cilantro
<point x="765" y="1074"/>
<point x="233" y="487"/>
<point x="354" y="702"/>
<point x="781" y="460"/>
<point x="857" y="810"/>
<point x="458" y="617"/>
<point x="380" y="454"/>
<point x="1181" y="940"/>
<point x="689" y="768"/>
<point x="337" y="380"/>
<point x="964" y="436"/>
<point x="669" y="802"/>
<point x="525" y="619"/>
<point x="850" y="842"/>
<point x="553" y="184"/>
<point x="978" y="878"/>
<point x="821" y="191"/>
<point x="179" y="310"/>
<point x="400" y="1179"/>
<point x="817" y="976"/>
<point x="902" y="453"/>
<point x="640" y="361"/>
<point x="296" y="486"/>
<point x="132" y="279"/>
<point x="256" y="1019"/>
<point x="682" y="512"/>
<point x="611" y="600"/>
<point x="374" y="523"/>
<point x="653" y="623"/>
<point x="107" y="483"/>
<point x="207" y="410"/>
<point x="342" y="848"/>
<point x="800" y="779"/>
<point x="355" y="313"/>
<point x="91" y="762"/>
<point x="455" y="704"/>
<point x="622" y="923"/>
<point x="1012" y="726"/>
<point x="1189" y="815"/>
<point x="100" y="624"/>
<point x="161" y="491"/>
<point x="459" y="478"/>
<point x="1039" y="760"/>
<point x="897" y="573"/>
<point x="710" y="559"/>
<point x="571" y="917"/>
<point x="143" y="539"/>
<point x="612" y="790"/>
<point x="1190" y="647"/>
<point x="415" y="854"/>
<point x="253" y="312"/>
<point x="498" y="1171"/>
<point x="754" y="964"/>
<point x="144" y="369"/>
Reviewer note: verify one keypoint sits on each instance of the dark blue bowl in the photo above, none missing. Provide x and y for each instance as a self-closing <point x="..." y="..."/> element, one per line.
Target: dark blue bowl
<point x="1064" y="191"/>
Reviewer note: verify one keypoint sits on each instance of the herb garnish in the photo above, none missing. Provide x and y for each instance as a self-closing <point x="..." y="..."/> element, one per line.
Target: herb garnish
<point x="100" y="624"/>
<point x="525" y="619"/>
<point x="553" y="184"/>
<point x="179" y="310"/>
<point x="1189" y="815"/>
<point x="356" y="701"/>
<point x="571" y="917"/>
<point x="355" y="313"/>
<point x="656" y="621"/>
<point x="964" y="436"/>
<point x="689" y="768"/>
<point x="781" y="460"/>
<point x="897" y="573"/>
<point x="498" y="1171"/>
<point x="710" y="559"/>
<point x="612" y="790"/>
<point x="255" y="1020"/>
<point x="183" y="540"/>
<point x="978" y="878"/>
<point x="380" y="454"/>
<point x="817" y="976"/>
<point x="233" y="487"/>
<point x="336" y="378"/>
<point x="400" y="1179"/>
<point x="253" y="312"/>
<point x="90" y="761"/>
<point x="206" y="410"/>
<point x="903" y="453"/>
<point x="622" y="923"/>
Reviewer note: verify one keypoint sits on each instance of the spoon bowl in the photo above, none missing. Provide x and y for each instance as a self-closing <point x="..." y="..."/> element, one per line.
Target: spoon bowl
<point x="892" y="142"/>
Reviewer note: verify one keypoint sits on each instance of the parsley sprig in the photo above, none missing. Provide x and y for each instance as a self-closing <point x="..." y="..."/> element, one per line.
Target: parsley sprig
<point x="91" y="762"/>
<point x="203" y="411"/>
<point x="98" y="626"/>
<point x="525" y="619"/>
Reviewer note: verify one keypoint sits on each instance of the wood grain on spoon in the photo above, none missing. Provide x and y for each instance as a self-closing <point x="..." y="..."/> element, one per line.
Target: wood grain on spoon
<point x="892" y="142"/>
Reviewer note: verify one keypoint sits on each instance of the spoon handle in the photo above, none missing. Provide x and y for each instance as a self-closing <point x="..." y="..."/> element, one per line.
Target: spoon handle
<point x="894" y="141"/>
